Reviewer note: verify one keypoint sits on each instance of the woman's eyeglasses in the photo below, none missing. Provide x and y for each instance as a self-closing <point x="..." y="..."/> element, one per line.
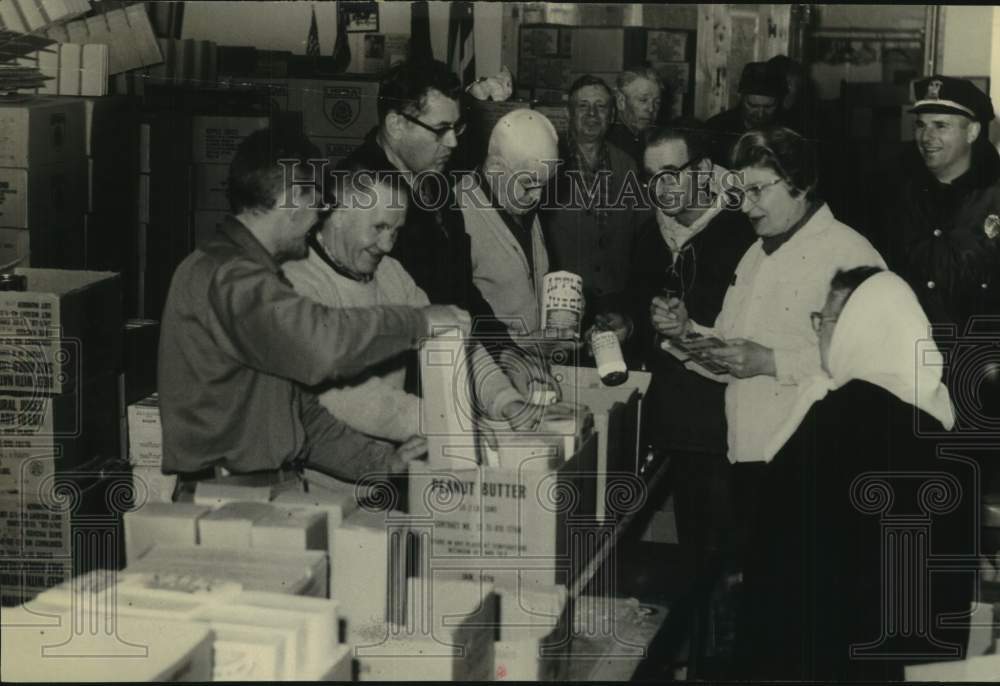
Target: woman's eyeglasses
<point x="817" y="319"/>
<point x="458" y="128"/>
<point x="754" y="191"/>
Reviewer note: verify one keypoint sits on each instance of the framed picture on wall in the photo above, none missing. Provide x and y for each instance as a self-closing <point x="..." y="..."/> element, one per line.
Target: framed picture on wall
<point x="362" y="17"/>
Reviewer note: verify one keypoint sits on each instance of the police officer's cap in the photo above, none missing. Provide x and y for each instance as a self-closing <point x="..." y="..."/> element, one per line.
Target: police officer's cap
<point x="763" y="78"/>
<point x="948" y="95"/>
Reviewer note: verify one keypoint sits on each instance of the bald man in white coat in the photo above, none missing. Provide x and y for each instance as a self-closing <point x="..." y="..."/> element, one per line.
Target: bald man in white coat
<point x="509" y="258"/>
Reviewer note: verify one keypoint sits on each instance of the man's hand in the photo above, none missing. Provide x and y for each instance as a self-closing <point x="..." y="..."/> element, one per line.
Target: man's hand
<point x="442" y="317"/>
<point x="413" y="448"/>
<point x="669" y="316"/>
<point x="744" y="358"/>
<point x="521" y="416"/>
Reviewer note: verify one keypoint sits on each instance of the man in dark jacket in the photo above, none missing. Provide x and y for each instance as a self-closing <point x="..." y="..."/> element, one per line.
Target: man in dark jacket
<point x="940" y="230"/>
<point x="419" y="128"/>
<point x="942" y="225"/>
<point x="762" y="88"/>
<point x="690" y="248"/>
<point x="591" y="231"/>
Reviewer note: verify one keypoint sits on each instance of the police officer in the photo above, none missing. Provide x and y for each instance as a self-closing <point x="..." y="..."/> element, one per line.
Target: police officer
<point x="943" y="223"/>
<point x="943" y="236"/>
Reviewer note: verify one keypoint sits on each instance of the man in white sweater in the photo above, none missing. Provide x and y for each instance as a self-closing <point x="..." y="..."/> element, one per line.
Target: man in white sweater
<point x="348" y="266"/>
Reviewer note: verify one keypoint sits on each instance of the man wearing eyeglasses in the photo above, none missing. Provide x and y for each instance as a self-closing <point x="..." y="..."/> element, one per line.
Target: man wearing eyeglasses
<point x="419" y="129"/>
<point x="589" y="232"/>
<point x="687" y="253"/>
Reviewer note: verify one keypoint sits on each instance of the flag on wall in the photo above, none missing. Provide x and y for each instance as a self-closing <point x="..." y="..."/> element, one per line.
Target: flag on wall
<point x="461" y="42"/>
<point x="341" y="49"/>
<point x="312" y="43"/>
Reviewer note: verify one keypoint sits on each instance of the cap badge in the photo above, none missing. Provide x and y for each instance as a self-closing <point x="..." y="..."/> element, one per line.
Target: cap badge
<point x="991" y="227"/>
<point x="934" y="90"/>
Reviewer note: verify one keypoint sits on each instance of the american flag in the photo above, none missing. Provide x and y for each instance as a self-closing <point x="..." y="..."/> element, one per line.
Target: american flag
<point x="312" y="43"/>
<point x="461" y="43"/>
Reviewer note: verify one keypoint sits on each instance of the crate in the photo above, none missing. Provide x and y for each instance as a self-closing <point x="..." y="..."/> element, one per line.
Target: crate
<point x="487" y="513"/>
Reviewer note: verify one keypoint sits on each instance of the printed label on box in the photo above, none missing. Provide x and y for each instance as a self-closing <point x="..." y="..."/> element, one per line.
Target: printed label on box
<point x="32" y="356"/>
<point x="217" y="138"/>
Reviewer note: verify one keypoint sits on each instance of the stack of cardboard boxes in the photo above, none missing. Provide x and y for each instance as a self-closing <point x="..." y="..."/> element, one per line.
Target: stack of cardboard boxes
<point x="192" y="137"/>
<point x="112" y="153"/>
<point x="60" y="360"/>
<point x="42" y="177"/>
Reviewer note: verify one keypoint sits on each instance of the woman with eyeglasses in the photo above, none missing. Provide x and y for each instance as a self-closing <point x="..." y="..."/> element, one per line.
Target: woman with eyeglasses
<point x="768" y="345"/>
<point x="832" y="590"/>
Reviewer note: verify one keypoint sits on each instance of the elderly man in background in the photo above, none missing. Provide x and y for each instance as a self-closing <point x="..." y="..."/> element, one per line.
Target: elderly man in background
<point x="588" y="231"/>
<point x="509" y="257"/>
<point x="762" y="88"/>
<point x="349" y="266"/>
<point x="638" y="96"/>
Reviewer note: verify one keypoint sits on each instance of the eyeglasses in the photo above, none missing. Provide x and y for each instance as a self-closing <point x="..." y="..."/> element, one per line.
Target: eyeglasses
<point x="817" y="319"/>
<point x="672" y="173"/>
<point x="754" y="191"/>
<point x="458" y="128"/>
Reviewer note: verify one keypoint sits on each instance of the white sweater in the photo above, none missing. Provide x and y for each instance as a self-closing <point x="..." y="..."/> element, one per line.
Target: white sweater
<point x="769" y="303"/>
<point x="377" y="404"/>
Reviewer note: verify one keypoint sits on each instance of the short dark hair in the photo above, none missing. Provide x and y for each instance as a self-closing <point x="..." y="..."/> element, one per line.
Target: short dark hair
<point x="687" y="129"/>
<point x="848" y="280"/>
<point x="256" y="175"/>
<point x="783" y="151"/>
<point x="588" y="80"/>
<point x="404" y="86"/>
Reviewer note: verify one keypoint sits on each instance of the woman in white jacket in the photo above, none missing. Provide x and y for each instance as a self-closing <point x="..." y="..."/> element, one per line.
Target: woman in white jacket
<point x="768" y="346"/>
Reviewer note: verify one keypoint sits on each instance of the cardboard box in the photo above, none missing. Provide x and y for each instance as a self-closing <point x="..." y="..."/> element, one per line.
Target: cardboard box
<point x="336" y="149"/>
<point x="319" y="617"/>
<point x="15" y="247"/>
<point x="41" y="131"/>
<point x="43" y="436"/>
<point x="295" y="573"/>
<point x="290" y="529"/>
<point x="158" y="487"/>
<point x="71" y="527"/>
<point x="145" y="433"/>
<point x="335" y="108"/>
<point x="216" y="138"/>
<point x="43" y="197"/>
<point x="617" y="412"/>
<point x="161" y="523"/>
<point x="448" y="636"/>
<point x="32" y="646"/>
<point x="230" y="525"/>
<point x="368" y="571"/>
<point x="485" y="513"/>
<point x="210" y="182"/>
<point x="68" y="324"/>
